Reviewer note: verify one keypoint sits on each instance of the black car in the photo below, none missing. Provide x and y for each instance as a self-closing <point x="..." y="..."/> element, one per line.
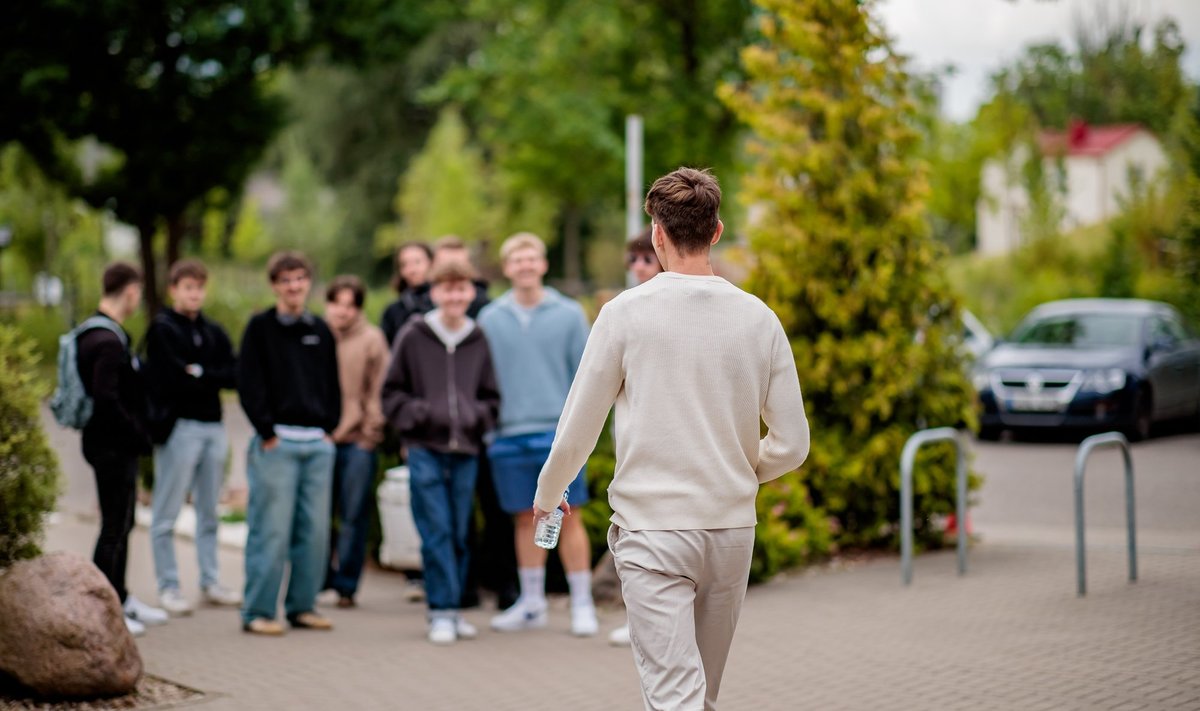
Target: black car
<point x="1097" y="364"/>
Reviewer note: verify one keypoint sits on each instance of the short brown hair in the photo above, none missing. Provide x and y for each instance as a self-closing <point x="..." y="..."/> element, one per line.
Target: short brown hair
<point x="118" y="276"/>
<point x="344" y="282"/>
<point x="187" y="269"/>
<point x="641" y="243"/>
<point x="287" y="261"/>
<point x="686" y="204"/>
<point x="452" y="271"/>
<point x="521" y="240"/>
<point x="449" y="242"/>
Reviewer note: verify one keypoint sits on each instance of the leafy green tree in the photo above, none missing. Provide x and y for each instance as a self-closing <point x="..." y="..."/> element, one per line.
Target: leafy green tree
<point x="28" y="468"/>
<point x="443" y="190"/>
<point x="1111" y="77"/>
<point x="550" y="83"/>
<point x="177" y="92"/>
<point x="450" y="189"/>
<point x="845" y="258"/>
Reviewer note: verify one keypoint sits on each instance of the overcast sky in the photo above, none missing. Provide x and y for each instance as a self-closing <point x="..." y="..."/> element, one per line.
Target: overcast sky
<point x="980" y="36"/>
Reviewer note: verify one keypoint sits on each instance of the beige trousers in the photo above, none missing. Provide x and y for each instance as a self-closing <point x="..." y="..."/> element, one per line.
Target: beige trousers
<point x="683" y="592"/>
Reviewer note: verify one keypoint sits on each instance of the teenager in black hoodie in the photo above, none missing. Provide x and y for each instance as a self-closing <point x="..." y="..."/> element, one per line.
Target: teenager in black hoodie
<point x="288" y="384"/>
<point x="189" y="360"/>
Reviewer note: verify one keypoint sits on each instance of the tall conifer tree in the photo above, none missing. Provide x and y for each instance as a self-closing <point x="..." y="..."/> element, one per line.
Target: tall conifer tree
<point x="844" y="256"/>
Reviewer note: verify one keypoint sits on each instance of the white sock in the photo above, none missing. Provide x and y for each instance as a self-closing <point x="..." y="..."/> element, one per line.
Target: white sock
<point x="533" y="586"/>
<point x="580" y="584"/>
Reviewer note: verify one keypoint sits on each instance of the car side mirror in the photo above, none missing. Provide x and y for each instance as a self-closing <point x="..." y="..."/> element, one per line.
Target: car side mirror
<point x="1160" y="344"/>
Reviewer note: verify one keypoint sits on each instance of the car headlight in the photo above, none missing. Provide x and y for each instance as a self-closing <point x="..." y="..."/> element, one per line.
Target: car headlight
<point x="981" y="380"/>
<point x="1104" y="381"/>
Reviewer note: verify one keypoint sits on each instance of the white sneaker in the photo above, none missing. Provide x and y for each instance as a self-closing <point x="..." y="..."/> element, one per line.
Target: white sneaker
<point x="441" y="630"/>
<point x="521" y="616"/>
<point x="583" y="621"/>
<point x="216" y="594"/>
<point x="464" y="629"/>
<point x="137" y="629"/>
<point x="144" y="613"/>
<point x="619" y="637"/>
<point x="174" y="603"/>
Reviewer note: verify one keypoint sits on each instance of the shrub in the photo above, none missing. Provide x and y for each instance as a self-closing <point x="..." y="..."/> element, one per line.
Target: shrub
<point x="28" y="468"/>
<point x="845" y="258"/>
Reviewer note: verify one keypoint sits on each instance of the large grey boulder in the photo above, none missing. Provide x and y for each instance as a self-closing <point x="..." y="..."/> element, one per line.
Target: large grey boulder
<point x="62" y="630"/>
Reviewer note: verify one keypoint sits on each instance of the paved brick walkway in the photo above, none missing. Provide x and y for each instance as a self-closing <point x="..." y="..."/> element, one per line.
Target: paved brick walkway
<point x="1010" y="635"/>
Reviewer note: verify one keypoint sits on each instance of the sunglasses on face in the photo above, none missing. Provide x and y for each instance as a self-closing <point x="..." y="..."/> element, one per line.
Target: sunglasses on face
<point x="647" y="259"/>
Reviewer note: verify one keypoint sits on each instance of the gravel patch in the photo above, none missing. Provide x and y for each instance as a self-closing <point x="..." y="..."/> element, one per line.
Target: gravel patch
<point x="150" y="693"/>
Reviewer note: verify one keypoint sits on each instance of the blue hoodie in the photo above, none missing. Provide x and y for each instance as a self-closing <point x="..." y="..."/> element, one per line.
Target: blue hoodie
<point x="535" y="356"/>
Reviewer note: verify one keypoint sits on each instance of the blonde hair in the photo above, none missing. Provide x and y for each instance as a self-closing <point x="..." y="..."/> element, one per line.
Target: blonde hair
<point x="522" y="240"/>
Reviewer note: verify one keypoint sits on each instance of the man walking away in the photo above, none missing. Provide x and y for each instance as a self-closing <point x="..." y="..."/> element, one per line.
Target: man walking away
<point x="362" y="355"/>
<point x="288" y="384"/>
<point x="537" y="336"/>
<point x="116" y="434"/>
<point x="189" y="361"/>
<point x="440" y="394"/>
<point x="694" y="365"/>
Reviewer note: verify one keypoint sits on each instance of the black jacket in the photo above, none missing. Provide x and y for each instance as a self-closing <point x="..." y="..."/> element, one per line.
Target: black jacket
<point x="173" y="342"/>
<point x="288" y="375"/>
<point x="412" y="301"/>
<point x="110" y="376"/>
<point x="440" y="399"/>
<point x="417" y="301"/>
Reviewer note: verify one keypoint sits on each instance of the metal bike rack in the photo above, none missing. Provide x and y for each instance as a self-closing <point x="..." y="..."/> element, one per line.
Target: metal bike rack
<point x="1085" y="449"/>
<point x="941" y="434"/>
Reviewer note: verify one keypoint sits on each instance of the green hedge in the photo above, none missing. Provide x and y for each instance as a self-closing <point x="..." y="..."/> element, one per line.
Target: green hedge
<point x="29" y="477"/>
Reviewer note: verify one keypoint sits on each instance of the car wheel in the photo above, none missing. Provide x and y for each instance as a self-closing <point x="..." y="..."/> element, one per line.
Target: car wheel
<point x="989" y="434"/>
<point x="1143" y="418"/>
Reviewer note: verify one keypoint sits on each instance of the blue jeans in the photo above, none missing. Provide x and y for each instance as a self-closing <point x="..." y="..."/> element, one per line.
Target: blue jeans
<point x="288" y="520"/>
<point x="353" y="478"/>
<point x="443" y="489"/>
<point x="192" y="460"/>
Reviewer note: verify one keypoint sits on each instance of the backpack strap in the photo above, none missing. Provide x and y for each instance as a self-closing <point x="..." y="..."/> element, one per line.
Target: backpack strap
<point x="93" y="322"/>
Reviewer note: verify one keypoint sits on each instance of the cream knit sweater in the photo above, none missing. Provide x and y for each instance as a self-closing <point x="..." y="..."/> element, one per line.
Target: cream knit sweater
<point x="693" y="364"/>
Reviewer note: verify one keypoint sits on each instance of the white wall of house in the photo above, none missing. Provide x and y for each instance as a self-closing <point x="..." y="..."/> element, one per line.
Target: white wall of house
<point x="1094" y="189"/>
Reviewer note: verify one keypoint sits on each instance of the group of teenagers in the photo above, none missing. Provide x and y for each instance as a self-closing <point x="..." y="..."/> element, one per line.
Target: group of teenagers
<point x="693" y="365"/>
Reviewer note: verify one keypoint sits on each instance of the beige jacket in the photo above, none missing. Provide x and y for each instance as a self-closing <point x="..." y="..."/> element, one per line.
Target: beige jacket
<point x="363" y="357"/>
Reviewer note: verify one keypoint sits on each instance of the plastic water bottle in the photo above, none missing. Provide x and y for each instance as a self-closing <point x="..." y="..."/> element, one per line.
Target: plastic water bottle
<point x="546" y="534"/>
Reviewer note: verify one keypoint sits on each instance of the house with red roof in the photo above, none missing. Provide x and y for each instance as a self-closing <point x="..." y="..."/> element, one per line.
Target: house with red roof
<point x="1088" y="170"/>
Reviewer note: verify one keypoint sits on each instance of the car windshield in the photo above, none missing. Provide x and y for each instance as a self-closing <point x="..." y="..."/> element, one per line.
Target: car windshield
<point x="1086" y="330"/>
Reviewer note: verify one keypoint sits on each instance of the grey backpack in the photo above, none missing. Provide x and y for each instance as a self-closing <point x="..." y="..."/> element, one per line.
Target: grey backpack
<point x="71" y="404"/>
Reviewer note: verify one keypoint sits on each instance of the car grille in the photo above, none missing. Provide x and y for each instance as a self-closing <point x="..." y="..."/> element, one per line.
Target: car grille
<point x="1036" y="390"/>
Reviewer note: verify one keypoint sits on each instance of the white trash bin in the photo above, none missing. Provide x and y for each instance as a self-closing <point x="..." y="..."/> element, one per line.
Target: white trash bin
<point x="401" y="544"/>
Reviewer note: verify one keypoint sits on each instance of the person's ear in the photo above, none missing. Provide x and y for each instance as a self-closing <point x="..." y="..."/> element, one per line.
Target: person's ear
<point x="720" y="230"/>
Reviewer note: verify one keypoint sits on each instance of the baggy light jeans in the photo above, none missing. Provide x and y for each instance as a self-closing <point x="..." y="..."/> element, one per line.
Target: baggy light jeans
<point x="192" y="460"/>
<point x="683" y="593"/>
<point x="288" y="519"/>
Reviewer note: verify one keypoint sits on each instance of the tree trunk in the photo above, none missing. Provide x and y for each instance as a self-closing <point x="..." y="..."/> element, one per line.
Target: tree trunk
<point x="572" y="250"/>
<point x="175" y="230"/>
<point x="151" y="297"/>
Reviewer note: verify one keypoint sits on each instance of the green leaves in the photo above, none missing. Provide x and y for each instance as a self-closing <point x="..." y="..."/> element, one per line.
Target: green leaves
<point x="28" y="468"/>
<point x="845" y="258"/>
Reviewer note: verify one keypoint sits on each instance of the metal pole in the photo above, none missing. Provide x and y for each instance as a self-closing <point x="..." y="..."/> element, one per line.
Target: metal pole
<point x="633" y="175"/>
<point x="1130" y="516"/>
<point x="1085" y="449"/>
<point x="1080" y="544"/>
<point x="906" y="506"/>
<point x="907" y="457"/>
<point x="961" y="503"/>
